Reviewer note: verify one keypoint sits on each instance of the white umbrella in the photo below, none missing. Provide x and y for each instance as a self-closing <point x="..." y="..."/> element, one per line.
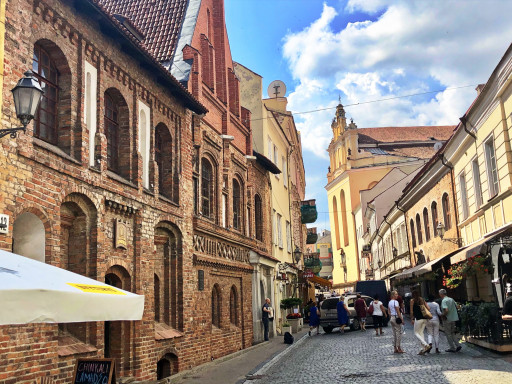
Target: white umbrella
<point x="35" y="292"/>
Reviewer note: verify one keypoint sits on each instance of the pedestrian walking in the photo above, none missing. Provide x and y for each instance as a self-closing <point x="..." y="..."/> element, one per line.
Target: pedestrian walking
<point x="378" y="311"/>
<point x="396" y="321"/>
<point x="342" y="310"/>
<point x="314" y="318"/>
<point x="433" y="323"/>
<point x="402" y="309"/>
<point x="361" y="311"/>
<point x="266" y="311"/>
<point x="419" y="316"/>
<point x="450" y="316"/>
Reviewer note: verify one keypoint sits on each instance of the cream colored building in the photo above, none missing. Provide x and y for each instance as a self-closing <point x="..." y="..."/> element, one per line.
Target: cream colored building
<point x="276" y="138"/>
<point x="359" y="159"/>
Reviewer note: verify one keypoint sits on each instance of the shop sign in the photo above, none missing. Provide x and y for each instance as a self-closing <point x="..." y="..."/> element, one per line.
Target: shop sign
<point x="121" y="237"/>
<point x="94" y="371"/>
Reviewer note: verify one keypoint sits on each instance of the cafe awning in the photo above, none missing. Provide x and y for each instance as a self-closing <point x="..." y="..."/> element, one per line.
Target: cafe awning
<point x="320" y="281"/>
<point x="478" y="247"/>
<point x="408" y="272"/>
<point x="35" y="292"/>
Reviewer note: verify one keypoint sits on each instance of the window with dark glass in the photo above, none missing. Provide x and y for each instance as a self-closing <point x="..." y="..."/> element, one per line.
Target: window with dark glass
<point x="413" y="234"/>
<point x="163" y="159"/>
<point x="216" y="307"/>
<point x="112" y="133"/>
<point x="45" y="121"/>
<point x="207" y="183"/>
<point x="418" y="229"/>
<point x="435" y="220"/>
<point x="446" y="212"/>
<point x="426" y="223"/>
<point x="237" y="205"/>
<point x="258" y="215"/>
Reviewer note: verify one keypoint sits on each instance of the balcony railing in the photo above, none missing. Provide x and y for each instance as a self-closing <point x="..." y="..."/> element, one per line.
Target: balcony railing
<point x="482" y="322"/>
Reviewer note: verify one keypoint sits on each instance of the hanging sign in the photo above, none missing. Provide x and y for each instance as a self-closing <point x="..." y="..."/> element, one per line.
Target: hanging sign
<point x="4" y="223"/>
<point x="94" y="371"/>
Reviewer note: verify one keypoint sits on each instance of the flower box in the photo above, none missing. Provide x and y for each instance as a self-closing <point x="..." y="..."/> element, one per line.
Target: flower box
<point x="296" y="324"/>
<point x="286" y="329"/>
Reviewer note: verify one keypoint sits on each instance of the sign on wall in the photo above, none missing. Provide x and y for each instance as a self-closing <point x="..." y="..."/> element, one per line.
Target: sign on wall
<point x="4" y="223"/>
<point x="121" y="234"/>
<point x="94" y="371"/>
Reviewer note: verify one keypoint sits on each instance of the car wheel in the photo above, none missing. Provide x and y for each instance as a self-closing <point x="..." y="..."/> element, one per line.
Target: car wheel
<point x="327" y="329"/>
<point x="355" y="326"/>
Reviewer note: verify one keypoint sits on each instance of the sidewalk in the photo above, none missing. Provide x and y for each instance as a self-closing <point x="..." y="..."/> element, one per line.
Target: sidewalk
<point x="235" y="368"/>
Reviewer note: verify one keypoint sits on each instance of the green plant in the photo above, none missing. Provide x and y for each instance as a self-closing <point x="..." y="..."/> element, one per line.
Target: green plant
<point x="290" y="302"/>
<point x="286" y="325"/>
<point x="468" y="316"/>
<point x="460" y="271"/>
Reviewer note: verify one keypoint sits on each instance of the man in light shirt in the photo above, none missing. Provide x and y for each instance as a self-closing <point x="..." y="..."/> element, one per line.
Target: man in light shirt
<point x="450" y="316"/>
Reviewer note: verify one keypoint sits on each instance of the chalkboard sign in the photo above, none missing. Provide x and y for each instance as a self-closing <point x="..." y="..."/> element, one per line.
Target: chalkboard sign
<point x="95" y="371"/>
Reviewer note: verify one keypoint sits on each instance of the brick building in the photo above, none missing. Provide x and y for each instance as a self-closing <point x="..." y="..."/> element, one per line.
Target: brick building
<point x="121" y="179"/>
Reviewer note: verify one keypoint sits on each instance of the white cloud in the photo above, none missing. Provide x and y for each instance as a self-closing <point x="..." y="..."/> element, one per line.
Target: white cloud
<point x="413" y="46"/>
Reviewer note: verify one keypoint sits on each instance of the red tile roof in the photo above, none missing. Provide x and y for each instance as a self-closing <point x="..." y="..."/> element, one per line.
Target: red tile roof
<point x="404" y="134"/>
<point x="159" y="20"/>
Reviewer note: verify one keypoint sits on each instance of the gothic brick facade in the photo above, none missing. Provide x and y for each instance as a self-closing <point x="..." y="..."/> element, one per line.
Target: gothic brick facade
<point x="124" y="150"/>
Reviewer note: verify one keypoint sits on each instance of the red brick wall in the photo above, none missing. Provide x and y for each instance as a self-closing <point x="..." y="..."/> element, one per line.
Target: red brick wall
<point x="40" y="178"/>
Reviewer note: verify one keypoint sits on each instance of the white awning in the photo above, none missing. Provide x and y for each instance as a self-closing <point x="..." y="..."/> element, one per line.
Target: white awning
<point x="35" y="292"/>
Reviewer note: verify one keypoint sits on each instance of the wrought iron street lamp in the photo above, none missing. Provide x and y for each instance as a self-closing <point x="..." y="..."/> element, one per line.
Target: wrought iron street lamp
<point x="379" y="263"/>
<point x="395" y="252"/>
<point x="441" y="230"/>
<point x="297" y="254"/>
<point x="27" y="96"/>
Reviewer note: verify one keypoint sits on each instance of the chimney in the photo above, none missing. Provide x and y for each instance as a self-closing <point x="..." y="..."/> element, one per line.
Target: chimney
<point x="479" y="88"/>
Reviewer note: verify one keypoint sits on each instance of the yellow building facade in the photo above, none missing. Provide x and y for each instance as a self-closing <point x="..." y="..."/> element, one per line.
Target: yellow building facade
<point x="359" y="159"/>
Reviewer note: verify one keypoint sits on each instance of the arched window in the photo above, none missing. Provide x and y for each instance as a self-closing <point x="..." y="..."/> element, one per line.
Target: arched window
<point x="446" y="212"/>
<point x="237" y="205"/>
<point x="233" y="306"/>
<point x="112" y="133"/>
<point x="216" y="306"/>
<point x="344" y="222"/>
<point x="163" y="159"/>
<point x="426" y="223"/>
<point x="207" y="188"/>
<point x="336" y="225"/>
<point x="258" y="217"/>
<point x="46" y="119"/>
<point x="435" y="220"/>
<point x="418" y="229"/>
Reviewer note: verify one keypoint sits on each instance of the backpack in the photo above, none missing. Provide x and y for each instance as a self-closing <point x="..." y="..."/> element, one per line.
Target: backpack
<point x="288" y="338"/>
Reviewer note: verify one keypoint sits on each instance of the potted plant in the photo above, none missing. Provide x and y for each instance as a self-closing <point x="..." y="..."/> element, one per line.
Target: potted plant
<point x="296" y="321"/>
<point x="286" y="327"/>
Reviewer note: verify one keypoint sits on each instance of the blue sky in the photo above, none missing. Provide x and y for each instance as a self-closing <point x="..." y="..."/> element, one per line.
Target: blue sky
<point x="364" y="50"/>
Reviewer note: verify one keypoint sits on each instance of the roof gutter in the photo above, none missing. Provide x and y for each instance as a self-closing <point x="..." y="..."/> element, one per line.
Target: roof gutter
<point x="464" y="120"/>
<point x="450" y="167"/>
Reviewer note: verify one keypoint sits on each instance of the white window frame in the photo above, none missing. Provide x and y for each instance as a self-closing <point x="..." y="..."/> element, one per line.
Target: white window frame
<point x="279" y="231"/>
<point x="289" y="236"/>
<point x="463" y="195"/>
<point x="285" y="172"/>
<point x="276" y="158"/>
<point x="477" y="184"/>
<point x="274" y="227"/>
<point x="270" y="148"/>
<point x="491" y="167"/>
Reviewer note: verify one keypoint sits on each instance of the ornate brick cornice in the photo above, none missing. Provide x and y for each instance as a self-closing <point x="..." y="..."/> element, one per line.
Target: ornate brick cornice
<point x="197" y="260"/>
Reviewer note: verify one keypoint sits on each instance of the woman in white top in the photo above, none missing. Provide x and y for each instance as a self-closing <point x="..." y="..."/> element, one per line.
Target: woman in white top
<point x="378" y="315"/>
<point x="433" y="324"/>
<point x="395" y="313"/>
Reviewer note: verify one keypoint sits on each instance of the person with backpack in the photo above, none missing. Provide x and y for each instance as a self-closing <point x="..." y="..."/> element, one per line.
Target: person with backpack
<point x="378" y="311"/>
<point x="419" y="317"/>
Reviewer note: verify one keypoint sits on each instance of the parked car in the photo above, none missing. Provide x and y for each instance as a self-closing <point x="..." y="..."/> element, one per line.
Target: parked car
<point x="329" y="313"/>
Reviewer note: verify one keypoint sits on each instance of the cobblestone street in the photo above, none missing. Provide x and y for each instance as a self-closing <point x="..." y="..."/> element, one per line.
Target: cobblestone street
<point x="364" y="358"/>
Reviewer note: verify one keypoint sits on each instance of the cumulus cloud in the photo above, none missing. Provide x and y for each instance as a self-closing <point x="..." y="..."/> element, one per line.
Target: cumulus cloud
<point x="402" y="47"/>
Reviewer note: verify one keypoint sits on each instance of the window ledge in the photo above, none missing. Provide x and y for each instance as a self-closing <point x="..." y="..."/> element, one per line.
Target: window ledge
<point x="69" y="345"/>
<point x="492" y="197"/>
<point x="94" y="169"/>
<point x="120" y="179"/>
<point x="167" y="200"/>
<point x="54" y="149"/>
<point x="166" y="332"/>
<point x="148" y="192"/>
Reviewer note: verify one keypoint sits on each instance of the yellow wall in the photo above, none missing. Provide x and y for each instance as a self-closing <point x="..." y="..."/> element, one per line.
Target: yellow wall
<point x="497" y="212"/>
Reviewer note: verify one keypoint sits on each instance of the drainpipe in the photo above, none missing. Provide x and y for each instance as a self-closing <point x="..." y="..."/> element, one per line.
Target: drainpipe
<point x="464" y="120"/>
<point x="450" y="167"/>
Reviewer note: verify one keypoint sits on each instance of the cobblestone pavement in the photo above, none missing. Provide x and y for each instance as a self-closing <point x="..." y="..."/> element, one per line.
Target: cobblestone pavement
<point x="361" y="357"/>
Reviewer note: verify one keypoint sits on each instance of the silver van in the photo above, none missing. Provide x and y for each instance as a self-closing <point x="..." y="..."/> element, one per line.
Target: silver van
<point x="329" y="313"/>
